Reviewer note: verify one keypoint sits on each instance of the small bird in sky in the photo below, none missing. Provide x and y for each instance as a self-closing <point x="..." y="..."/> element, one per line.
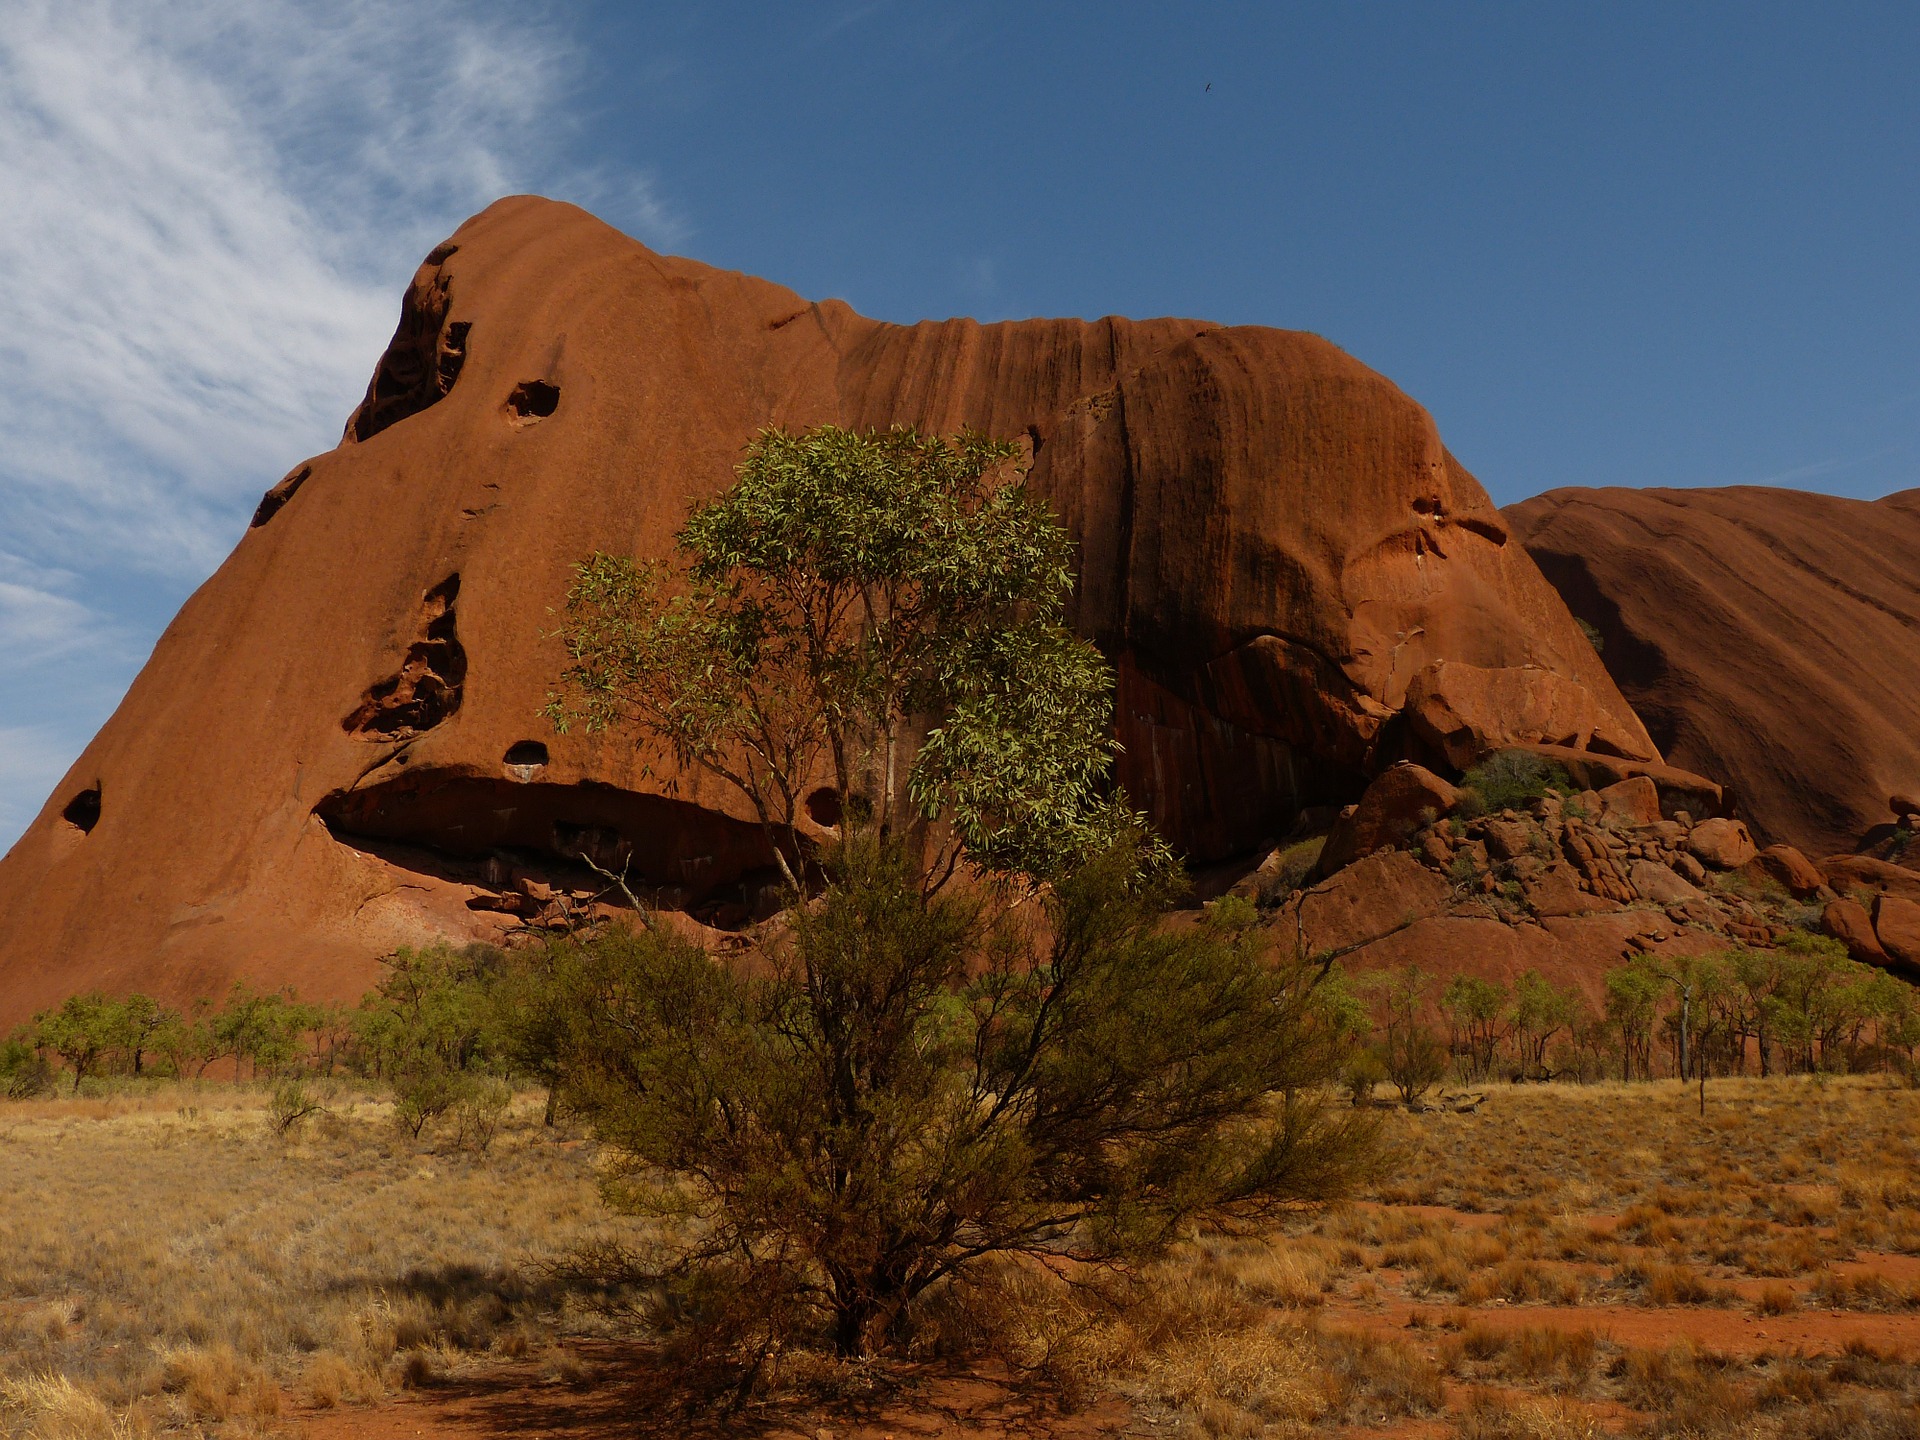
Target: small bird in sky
<point x="1209" y="85"/>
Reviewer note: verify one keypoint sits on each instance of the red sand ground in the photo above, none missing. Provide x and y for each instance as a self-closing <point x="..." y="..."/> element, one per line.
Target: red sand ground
<point x="514" y="1401"/>
<point x="982" y="1404"/>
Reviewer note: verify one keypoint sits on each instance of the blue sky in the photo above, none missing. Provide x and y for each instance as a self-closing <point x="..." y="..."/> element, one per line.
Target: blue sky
<point x="1620" y="244"/>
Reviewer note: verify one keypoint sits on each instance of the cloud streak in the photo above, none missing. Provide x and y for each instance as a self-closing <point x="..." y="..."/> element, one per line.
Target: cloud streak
<point x="211" y="211"/>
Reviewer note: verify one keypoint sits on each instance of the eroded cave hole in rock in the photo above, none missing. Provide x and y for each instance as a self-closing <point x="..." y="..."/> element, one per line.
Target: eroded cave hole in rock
<point x="453" y="353"/>
<point x="423" y="359"/>
<point x="533" y="400"/>
<point x="426" y="688"/>
<point x="525" y="759"/>
<point x="83" y="810"/>
<point x="278" y="496"/>
<point x="526" y="845"/>
<point x="824" y="808"/>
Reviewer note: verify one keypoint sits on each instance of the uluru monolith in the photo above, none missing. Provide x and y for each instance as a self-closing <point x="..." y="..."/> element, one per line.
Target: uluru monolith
<point x="336" y="747"/>
<point x="1769" y="638"/>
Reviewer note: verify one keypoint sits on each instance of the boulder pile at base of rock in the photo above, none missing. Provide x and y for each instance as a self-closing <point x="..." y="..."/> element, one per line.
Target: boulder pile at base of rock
<point x="1571" y="886"/>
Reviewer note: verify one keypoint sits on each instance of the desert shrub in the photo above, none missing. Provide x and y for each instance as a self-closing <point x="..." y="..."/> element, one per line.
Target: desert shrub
<point x="1365" y="1070"/>
<point x="900" y="1080"/>
<point x="289" y="1103"/>
<point x="24" y="1071"/>
<point x="1291" y="870"/>
<point x="261" y="1030"/>
<point x="1474" y="1008"/>
<point x="431" y="1011"/>
<point x="1513" y="779"/>
<point x="479" y="1112"/>
<point x="83" y="1031"/>
<point x="423" y="1092"/>
<point x="1411" y="1055"/>
<point x="911" y="1082"/>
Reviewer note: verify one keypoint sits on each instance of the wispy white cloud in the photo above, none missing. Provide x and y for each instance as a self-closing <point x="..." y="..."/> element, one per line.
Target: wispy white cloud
<point x="1819" y="468"/>
<point x="628" y="198"/>
<point x="39" y="616"/>
<point x="32" y="757"/>
<point x="210" y="209"/>
<point x="209" y="213"/>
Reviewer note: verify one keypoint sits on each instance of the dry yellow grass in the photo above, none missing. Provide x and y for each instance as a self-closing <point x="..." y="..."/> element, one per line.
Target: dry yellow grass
<point x="167" y="1262"/>
<point x="169" y="1265"/>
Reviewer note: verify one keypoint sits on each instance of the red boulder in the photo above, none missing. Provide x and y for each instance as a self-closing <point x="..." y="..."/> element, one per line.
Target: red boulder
<point x="1786" y="866"/>
<point x="1722" y="844"/>
<point x="1402" y="800"/>
<point x="1848" y="922"/>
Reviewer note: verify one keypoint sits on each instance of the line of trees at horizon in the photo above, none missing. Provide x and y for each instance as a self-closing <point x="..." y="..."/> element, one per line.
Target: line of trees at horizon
<point x="1803" y="1007"/>
<point x="444" y="1015"/>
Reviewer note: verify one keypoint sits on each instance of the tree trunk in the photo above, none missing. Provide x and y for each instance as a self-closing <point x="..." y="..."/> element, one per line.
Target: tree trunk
<point x="851" y="1316"/>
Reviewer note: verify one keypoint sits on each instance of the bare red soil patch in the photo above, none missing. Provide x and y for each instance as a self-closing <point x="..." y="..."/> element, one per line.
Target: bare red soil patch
<point x="628" y="1397"/>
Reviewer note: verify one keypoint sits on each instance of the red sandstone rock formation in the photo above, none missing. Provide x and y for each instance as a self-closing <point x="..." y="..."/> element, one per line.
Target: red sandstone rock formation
<point x="336" y="747"/>
<point x="1769" y="638"/>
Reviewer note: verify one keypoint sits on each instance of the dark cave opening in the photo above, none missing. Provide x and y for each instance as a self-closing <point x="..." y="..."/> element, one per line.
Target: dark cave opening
<point x="83" y="810"/>
<point x="506" y="835"/>
<point x="533" y="400"/>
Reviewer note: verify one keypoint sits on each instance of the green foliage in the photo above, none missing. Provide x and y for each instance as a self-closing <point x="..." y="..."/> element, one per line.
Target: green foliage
<point x="1799" y="1005"/>
<point x="480" y="1110"/>
<point x="431" y="1010"/>
<point x="24" y="1071"/>
<point x="913" y="1081"/>
<point x="1634" y="992"/>
<point x="82" y="1031"/>
<point x="289" y="1103"/>
<point x="423" y="1092"/>
<point x="1410" y="1053"/>
<point x="1512" y="780"/>
<point x="849" y="593"/>
<point x="1365" y="1070"/>
<point x="1474" y="1009"/>
<point x="1290" y="871"/>
<point x="1540" y="1012"/>
<point x="433" y="1027"/>
<point x="261" y="1031"/>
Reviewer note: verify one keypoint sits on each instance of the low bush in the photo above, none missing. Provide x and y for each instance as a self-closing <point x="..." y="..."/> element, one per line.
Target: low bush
<point x="1513" y="780"/>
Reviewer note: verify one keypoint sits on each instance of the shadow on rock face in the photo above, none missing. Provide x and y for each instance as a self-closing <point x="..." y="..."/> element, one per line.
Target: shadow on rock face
<point x="484" y="831"/>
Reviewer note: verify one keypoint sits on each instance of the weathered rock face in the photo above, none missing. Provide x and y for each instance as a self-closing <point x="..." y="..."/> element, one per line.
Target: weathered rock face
<point x="1574" y="886"/>
<point x="336" y="747"/>
<point x="1769" y="638"/>
<point x="1848" y="922"/>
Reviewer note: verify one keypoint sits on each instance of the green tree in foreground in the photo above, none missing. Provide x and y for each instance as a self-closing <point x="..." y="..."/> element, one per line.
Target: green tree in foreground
<point x="909" y="1075"/>
<point x="909" y="1085"/>
<point x="878" y="615"/>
